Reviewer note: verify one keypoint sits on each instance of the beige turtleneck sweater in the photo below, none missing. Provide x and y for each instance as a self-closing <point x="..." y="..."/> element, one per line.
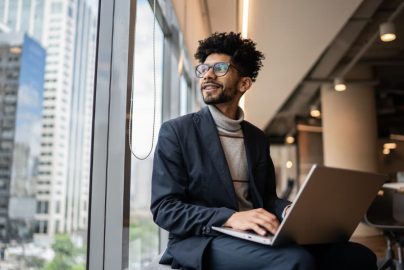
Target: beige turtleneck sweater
<point x="232" y="140"/>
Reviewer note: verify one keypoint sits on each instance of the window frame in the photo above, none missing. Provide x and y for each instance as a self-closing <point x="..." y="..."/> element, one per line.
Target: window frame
<point x="110" y="179"/>
<point x="110" y="166"/>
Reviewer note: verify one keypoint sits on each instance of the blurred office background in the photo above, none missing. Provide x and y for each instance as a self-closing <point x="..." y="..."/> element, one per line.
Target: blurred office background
<point x="85" y="81"/>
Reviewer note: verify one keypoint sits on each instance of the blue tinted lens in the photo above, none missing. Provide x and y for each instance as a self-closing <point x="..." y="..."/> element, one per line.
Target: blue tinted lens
<point x="220" y="69"/>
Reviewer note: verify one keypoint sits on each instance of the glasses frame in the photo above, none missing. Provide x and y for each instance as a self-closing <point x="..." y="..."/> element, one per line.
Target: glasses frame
<point x="213" y="68"/>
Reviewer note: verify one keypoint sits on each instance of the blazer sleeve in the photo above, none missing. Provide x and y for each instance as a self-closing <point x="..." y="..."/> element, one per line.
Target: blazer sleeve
<point x="171" y="205"/>
<point x="272" y="203"/>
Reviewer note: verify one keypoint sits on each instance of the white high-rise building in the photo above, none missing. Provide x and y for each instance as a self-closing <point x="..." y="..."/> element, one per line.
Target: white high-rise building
<point x="58" y="38"/>
<point x="22" y="16"/>
<point x="67" y="29"/>
<point x="81" y="119"/>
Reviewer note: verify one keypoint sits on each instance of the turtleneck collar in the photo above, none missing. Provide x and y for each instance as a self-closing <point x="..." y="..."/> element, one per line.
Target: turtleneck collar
<point x="224" y="122"/>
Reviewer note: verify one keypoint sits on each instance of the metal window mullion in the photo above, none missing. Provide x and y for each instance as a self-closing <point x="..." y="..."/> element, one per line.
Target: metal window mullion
<point x="118" y="176"/>
<point x="99" y="162"/>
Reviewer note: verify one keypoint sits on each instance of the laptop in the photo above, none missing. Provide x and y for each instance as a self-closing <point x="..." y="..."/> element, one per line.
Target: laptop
<point x="327" y="208"/>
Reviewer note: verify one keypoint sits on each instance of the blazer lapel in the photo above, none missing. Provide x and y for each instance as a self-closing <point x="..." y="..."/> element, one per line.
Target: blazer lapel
<point x="207" y="129"/>
<point x="249" y="149"/>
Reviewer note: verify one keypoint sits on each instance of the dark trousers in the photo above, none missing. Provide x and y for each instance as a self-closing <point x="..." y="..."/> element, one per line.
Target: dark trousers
<point x="229" y="253"/>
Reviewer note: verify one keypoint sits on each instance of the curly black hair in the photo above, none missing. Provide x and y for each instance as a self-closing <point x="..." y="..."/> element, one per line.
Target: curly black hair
<point x="242" y="52"/>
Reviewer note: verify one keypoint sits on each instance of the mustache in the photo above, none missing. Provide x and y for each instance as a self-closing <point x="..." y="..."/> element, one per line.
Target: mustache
<point x="210" y="82"/>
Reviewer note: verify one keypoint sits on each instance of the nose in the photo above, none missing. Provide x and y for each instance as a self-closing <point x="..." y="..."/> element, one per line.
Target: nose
<point x="209" y="74"/>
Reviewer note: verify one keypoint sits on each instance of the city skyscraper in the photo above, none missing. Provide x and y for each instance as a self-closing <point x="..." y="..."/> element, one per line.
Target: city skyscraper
<point x="81" y="119"/>
<point x="67" y="29"/>
<point x="58" y="37"/>
<point x="22" y="16"/>
<point x="22" y="66"/>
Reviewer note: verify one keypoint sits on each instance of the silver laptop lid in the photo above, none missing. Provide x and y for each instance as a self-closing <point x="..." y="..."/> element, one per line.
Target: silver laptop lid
<point x="329" y="206"/>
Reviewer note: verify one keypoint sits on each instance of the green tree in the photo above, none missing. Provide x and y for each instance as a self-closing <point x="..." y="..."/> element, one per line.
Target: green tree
<point x="63" y="245"/>
<point x="143" y="228"/>
<point x="34" y="262"/>
<point x="65" y="254"/>
<point x="59" y="262"/>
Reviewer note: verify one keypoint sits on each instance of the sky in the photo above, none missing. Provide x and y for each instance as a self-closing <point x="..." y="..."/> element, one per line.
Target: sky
<point x="93" y="4"/>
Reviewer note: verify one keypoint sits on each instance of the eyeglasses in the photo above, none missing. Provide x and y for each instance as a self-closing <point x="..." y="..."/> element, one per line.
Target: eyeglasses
<point x="219" y="69"/>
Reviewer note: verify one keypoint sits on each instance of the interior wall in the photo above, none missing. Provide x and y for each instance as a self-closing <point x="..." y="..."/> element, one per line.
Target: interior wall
<point x="192" y="21"/>
<point x="292" y="35"/>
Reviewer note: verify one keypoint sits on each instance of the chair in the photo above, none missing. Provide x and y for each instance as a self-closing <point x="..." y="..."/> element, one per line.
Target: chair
<point x="387" y="214"/>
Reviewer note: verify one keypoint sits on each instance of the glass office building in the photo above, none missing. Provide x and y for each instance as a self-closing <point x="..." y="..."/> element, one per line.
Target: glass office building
<point x="22" y="82"/>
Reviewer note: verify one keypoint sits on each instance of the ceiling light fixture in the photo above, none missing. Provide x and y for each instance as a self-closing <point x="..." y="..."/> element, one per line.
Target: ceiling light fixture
<point x="388" y="148"/>
<point x="387" y="32"/>
<point x="390" y="145"/>
<point x="315" y="112"/>
<point x="290" y="139"/>
<point x="367" y="45"/>
<point x="339" y="84"/>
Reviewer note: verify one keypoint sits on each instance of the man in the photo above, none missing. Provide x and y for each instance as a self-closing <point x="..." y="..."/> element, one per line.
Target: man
<point x="212" y="168"/>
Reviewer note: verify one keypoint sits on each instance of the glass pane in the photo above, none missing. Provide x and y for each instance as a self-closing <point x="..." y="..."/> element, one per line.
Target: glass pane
<point x="184" y="95"/>
<point x="47" y="65"/>
<point x="143" y="245"/>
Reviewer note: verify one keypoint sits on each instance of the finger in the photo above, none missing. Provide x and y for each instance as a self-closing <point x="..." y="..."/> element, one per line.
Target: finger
<point x="268" y="219"/>
<point x="263" y="212"/>
<point x="257" y="229"/>
<point x="269" y="216"/>
<point x="269" y="226"/>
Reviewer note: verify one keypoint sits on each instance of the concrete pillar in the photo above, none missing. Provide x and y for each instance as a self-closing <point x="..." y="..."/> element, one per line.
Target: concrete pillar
<point x="350" y="132"/>
<point x="350" y="128"/>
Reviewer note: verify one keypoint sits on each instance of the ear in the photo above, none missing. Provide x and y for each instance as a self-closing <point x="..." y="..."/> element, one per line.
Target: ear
<point x="244" y="84"/>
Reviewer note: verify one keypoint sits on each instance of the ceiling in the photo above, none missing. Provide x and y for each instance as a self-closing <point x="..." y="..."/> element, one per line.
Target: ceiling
<point x="356" y="44"/>
<point x="308" y="43"/>
<point x="291" y="38"/>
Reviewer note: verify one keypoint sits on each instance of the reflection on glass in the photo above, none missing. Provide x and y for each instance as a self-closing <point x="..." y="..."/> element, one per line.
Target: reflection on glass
<point x="21" y="97"/>
<point x="47" y="64"/>
<point x="184" y="95"/>
<point x="143" y="246"/>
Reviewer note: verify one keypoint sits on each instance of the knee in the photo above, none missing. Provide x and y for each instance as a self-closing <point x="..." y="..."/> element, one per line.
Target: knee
<point x="348" y="256"/>
<point x="301" y="259"/>
<point x="363" y="257"/>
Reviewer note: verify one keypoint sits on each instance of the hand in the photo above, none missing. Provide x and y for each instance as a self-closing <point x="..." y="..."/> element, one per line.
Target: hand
<point x="259" y="220"/>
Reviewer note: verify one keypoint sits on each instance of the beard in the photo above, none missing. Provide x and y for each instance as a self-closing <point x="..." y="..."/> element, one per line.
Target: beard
<point x="221" y="95"/>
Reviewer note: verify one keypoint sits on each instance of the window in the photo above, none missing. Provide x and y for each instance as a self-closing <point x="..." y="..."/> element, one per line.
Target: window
<point x="56" y="7"/>
<point x="70" y="12"/>
<point x="186" y="98"/>
<point x="41" y="227"/>
<point x="42" y="207"/>
<point x="50" y="179"/>
<point x="143" y="233"/>
<point x="57" y="209"/>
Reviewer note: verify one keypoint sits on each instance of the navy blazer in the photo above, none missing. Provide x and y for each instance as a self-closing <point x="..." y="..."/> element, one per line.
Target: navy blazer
<point x="192" y="188"/>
